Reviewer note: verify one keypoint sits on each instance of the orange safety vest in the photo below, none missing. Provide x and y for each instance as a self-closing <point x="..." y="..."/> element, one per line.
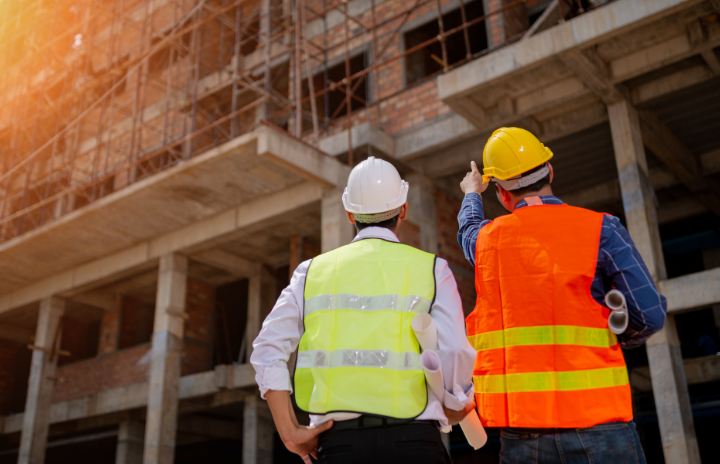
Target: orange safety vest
<point x="545" y="355"/>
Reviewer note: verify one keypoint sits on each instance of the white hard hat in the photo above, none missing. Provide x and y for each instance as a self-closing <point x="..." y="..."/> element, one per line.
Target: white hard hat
<point x="374" y="187"/>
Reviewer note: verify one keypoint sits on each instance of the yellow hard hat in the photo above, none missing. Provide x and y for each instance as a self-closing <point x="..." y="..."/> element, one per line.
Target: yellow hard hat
<point x="511" y="151"/>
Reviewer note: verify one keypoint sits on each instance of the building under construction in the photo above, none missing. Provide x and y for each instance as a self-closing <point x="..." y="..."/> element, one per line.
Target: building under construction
<point x="166" y="164"/>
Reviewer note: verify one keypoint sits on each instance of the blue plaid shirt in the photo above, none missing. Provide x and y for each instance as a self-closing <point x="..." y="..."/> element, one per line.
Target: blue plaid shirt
<point x="618" y="265"/>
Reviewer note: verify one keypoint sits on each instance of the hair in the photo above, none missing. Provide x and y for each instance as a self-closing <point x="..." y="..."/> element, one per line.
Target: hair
<point x="532" y="187"/>
<point x="387" y="223"/>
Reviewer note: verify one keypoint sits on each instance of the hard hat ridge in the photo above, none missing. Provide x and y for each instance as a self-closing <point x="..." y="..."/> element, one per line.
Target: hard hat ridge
<point x="375" y="192"/>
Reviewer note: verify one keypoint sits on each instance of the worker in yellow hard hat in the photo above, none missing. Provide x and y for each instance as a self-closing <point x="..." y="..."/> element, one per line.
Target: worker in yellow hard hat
<point x="548" y="371"/>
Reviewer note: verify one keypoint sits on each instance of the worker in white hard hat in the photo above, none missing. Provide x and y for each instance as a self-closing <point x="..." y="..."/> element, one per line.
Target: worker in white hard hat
<point x="358" y="372"/>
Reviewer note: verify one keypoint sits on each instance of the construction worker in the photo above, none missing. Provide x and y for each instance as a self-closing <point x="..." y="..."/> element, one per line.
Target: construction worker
<point x="548" y="370"/>
<point x="358" y="371"/>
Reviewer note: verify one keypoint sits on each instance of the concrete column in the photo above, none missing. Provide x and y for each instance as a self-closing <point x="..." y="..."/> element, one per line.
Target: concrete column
<point x="666" y="365"/>
<point x="161" y="422"/>
<point x="336" y="230"/>
<point x="495" y="24"/>
<point x="258" y="432"/>
<point x="421" y="212"/>
<point x="130" y="442"/>
<point x="254" y="321"/>
<point x="36" y="419"/>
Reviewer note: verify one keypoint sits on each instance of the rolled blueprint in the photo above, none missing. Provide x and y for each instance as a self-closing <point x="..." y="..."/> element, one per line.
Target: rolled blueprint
<point x="425" y="331"/>
<point x="619" y="318"/>
<point x="470" y="425"/>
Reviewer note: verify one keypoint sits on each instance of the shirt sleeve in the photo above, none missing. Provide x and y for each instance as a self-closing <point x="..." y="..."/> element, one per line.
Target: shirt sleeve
<point x="280" y="336"/>
<point x="471" y="219"/>
<point x="457" y="356"/>
<point x="624" y="268"/>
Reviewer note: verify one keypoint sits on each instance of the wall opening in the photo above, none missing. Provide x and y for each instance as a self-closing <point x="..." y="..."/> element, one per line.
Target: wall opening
<point x="427" y="61"/>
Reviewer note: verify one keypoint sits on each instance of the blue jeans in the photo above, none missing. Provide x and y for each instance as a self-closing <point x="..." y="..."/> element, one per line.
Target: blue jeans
<point x="610" y="443"/>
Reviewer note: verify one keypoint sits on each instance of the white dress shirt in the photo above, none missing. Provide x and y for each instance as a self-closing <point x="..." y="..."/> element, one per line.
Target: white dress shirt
<point x="283" y="327"/>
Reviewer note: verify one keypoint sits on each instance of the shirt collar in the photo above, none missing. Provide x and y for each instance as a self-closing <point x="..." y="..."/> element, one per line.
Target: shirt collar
<point x="546" y="200"/>
<point x="376" y="232"/>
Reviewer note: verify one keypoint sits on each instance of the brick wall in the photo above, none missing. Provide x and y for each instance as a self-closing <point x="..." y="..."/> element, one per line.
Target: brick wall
<point x="409" y="234"/>
<point x="446" y="211"/>
<point x="8" y="356"/>
<point x="136" y="322"/>
<point x="109" y="329"/>
<point x="100" y="373"/>
<point x="197" y="341"/>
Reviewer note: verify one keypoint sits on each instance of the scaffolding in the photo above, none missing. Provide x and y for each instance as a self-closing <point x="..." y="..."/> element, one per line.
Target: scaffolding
<point x="96" y="95"/>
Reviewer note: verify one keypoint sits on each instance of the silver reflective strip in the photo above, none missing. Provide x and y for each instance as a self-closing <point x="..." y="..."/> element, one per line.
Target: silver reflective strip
<point x="391" y="301"/>
<point x="383" y="359"/>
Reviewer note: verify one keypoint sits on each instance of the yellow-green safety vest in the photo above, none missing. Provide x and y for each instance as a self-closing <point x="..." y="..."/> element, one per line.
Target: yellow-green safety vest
<point x="358" y="352"/>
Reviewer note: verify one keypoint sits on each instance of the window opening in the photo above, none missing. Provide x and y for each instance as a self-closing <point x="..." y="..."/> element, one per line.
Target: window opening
<point x="428" y="60"/>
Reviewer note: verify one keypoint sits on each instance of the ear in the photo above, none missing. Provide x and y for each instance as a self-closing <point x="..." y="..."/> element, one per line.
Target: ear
<point x="403" y="211"/>
<point x="351" y="218"/>
<point x="506" y="195"/>
<point x="552" y="173"/>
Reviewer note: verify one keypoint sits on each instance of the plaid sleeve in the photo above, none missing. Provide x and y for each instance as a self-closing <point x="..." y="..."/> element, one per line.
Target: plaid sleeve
<point x="621" y="263"/>
<point x="470" y="220"/>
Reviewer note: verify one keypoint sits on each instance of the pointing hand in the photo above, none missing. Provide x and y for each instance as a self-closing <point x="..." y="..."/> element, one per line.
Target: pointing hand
<point x="473" y="181"/>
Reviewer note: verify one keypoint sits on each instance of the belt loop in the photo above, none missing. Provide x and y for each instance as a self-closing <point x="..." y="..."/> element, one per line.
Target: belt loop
<point x="384" y="422"/>
<point x="360" y="421"/>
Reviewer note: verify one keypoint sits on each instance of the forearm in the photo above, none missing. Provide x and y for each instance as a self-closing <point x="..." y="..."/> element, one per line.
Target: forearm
<point x="282" y="412"/>
<point x="471" y="219"/>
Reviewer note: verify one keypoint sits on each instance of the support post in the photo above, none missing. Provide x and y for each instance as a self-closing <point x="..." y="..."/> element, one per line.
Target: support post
<point x="666" y="365"/>
<point x="129" y="448"/>
<point x="421" y="210"/>
<point x="258" y="432"/>
<point x="161" y="423"/>
<point x="336" y="230"/>
<point x="36" y="419"/>
<point x="254" y="321"/>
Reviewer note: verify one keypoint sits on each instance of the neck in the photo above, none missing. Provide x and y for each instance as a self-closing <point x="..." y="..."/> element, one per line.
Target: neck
<point x="545" y="191"/>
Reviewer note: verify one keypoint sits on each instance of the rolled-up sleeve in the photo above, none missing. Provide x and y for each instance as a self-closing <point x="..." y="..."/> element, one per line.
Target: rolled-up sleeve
<point x="457" y="356"/>
<point x="279" y="336"/>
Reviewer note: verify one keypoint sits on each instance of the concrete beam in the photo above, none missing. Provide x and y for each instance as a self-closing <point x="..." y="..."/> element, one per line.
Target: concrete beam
<point x="682" y="162"/>
<point x="145" y="255"/>
<point x="697" y="371"/>
<point x="362" y="135"/>
<point x="228" y="262"/>
<point x="603" y="23"/>
<point x="301" y="158"/>
<point x="164" y="371"/>
<point x="692" y="291"/>
<point x="212" y="385"/>
<point x="36" y="419"/>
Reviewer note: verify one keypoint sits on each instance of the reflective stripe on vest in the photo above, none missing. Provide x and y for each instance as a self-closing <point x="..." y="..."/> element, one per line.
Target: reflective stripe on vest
<point x="545" y="357"/>
<point x="552" y="381"/>
<point x="543" y="335"/>
<point x="358" y="352"/>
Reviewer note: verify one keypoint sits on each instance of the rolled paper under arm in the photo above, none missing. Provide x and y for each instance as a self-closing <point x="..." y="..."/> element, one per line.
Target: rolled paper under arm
<point x="619" y="318"/>
<point x="425" y="331"/>
<point x="471" y="425"/>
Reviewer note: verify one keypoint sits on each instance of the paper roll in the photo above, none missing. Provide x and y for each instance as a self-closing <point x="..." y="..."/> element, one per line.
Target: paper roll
<point x="470" y="425"/>
<point x="425" y="331"/>
<point x="619" y="319"/>
<point x="433" y="373"/>
<point x="474" y="430"/>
